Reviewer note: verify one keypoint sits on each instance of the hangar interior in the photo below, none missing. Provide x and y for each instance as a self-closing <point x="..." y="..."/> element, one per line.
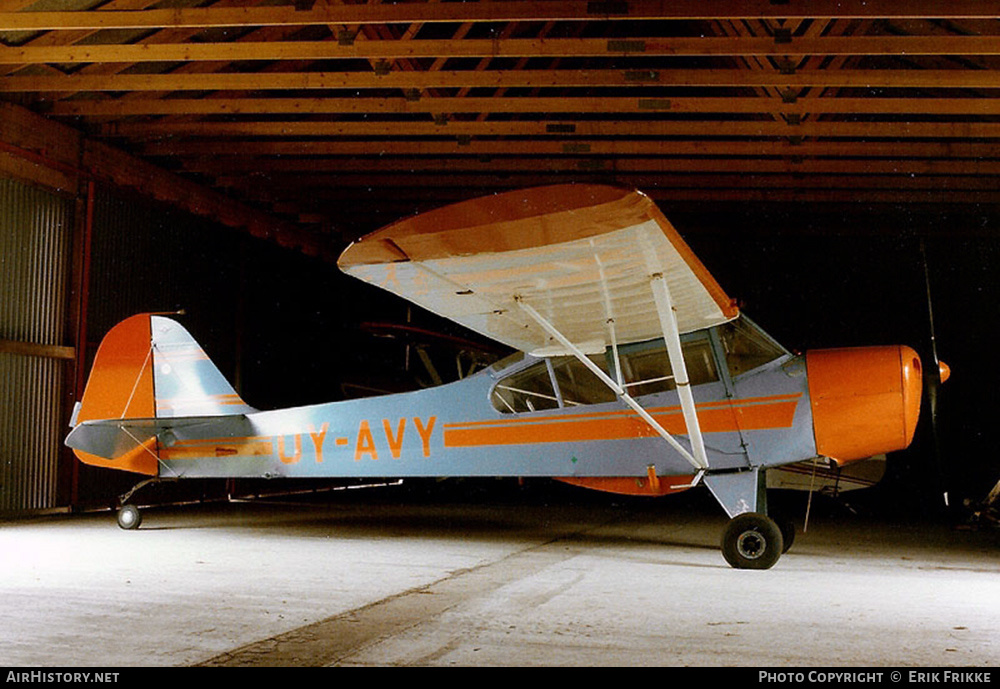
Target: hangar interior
<point x="833" y="163"/>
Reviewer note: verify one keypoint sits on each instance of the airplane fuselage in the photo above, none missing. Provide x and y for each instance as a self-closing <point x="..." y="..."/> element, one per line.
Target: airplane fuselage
<point x="758" y="418"/>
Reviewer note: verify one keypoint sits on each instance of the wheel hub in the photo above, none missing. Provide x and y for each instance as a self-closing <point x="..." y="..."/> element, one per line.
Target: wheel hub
<point x="751" y="545"/>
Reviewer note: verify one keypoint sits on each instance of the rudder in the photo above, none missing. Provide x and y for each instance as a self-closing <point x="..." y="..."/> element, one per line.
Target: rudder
<point x="185" y="381"/>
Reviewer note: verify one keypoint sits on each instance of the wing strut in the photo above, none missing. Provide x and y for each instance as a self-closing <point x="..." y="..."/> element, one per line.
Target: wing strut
<point x="672" y="338"/>
<point x="697" y="460"/>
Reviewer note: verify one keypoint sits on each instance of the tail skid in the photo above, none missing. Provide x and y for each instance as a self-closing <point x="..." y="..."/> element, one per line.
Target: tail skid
<point x="149" y="376"/>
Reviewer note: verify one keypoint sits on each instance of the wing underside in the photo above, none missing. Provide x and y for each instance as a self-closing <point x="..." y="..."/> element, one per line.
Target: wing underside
<point x="582" y="256"/>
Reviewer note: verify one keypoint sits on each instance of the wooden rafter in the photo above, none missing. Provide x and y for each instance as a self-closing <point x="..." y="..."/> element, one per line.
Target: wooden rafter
<point x="568" y="129"/>
<point x="566" y="78"/>
<point x="787" y="146"/>
<point x="300" y="107"/>
<point x="523" y="11"/>
<point x="498" y="48"/>
<point x="401" y="105"/>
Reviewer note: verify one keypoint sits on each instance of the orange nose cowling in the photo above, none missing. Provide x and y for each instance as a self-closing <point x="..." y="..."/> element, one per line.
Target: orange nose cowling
<point x="865" y="401"/>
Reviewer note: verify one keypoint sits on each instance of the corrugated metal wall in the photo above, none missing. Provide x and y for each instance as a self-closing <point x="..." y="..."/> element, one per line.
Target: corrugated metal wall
<point x="36" y="229"/>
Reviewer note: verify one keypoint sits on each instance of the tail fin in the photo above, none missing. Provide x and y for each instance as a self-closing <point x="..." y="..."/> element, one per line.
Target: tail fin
<point x="185" y="381"/>
<point x="148" y="369"/>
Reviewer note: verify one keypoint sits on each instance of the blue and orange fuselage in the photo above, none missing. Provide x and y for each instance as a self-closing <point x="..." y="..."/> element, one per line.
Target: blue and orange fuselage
<point x="843" y="404"/>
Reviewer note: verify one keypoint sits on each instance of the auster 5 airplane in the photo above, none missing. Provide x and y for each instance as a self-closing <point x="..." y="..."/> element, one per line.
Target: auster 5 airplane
<point x="636" y="374"/>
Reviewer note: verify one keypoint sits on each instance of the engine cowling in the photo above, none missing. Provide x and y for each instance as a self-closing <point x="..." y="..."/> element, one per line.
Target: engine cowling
<point x="865" y="400"/>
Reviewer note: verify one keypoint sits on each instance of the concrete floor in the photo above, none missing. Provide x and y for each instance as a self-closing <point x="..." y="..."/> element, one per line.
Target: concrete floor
<point x="361" y="580"/>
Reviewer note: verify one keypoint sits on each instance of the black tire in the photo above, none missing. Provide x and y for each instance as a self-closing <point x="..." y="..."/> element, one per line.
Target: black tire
<point x="787" y="527"/>
<point x="129" y="517"/>
<point x="752" y="541"/>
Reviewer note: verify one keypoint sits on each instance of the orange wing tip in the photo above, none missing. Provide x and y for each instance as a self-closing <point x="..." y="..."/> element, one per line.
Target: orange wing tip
<point x="499" y="222"/>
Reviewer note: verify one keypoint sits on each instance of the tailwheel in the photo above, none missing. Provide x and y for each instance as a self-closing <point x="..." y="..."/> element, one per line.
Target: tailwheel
<point x="129" y="517"/>
<point x="752" y="541"/>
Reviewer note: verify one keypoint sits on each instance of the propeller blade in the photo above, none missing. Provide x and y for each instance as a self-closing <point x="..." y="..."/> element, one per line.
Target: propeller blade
<point x="933" y="377"/>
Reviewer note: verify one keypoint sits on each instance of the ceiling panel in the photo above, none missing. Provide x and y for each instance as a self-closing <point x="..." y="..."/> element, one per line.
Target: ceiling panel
<point x="342" y="116"/>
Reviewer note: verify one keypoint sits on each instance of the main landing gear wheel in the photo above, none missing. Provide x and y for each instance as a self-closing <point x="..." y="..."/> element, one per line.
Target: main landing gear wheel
<point x="752" y="541"/>
<point x="787" y="527"/>
<point x="129" y="517"/>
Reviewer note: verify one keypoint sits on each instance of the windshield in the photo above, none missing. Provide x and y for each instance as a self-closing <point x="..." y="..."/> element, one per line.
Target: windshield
<point x="747" y="347"/>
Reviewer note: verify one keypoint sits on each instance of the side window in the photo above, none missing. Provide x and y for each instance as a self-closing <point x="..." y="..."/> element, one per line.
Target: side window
<point x="699" y="362"/>
<point x="527" y="390"/>
<point x="531" y="389"/>
<point x="578" y="384"/>
<point x="646" y="370"/>
<point x="746" y="347"/>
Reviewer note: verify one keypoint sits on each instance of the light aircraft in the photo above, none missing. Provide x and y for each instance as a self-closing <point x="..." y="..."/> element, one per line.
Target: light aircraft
<point x="635" y="373"/>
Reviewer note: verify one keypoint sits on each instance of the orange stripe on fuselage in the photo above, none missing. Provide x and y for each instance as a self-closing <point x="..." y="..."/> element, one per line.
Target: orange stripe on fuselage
<point x="218" y="447"/>
<point x="715" y="417"/>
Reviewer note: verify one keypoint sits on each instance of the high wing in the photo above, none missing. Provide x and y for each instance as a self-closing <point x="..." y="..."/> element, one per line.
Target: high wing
<point x="566" y="269"/>
<point x="580" y="255"/>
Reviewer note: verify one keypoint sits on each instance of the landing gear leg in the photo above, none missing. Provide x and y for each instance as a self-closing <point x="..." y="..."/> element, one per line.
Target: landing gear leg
<point x="751" y="539"/>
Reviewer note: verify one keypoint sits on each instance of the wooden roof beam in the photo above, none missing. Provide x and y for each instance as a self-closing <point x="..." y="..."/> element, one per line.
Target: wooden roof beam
<point x="574" y="78"/>
<point x="513" y="47"/>
<point x="297" y="169"/>
<point x="725" y="148"/>
<point x="58" y="38"/>
<point x="273" y="188"/>
<point x="566" y="130"/>
<point x="356" y="197"/>
<point x="401" y="105"/>
<point x="511" y="11"/>
<point x="53" y="145"/>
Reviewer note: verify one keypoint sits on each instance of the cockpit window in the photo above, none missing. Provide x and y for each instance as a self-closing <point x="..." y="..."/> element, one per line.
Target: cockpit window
<point x="747" y="347"/>
<point x="578" y="384"/>
<point x="527" y="390"/>
<point x="646" y="368"/>
<point x="567" y="382"/>
<point x="532" y="388"/>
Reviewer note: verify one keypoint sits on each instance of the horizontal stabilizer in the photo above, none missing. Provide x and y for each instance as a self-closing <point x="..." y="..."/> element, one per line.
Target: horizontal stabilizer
<point x="115" y="438"/>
